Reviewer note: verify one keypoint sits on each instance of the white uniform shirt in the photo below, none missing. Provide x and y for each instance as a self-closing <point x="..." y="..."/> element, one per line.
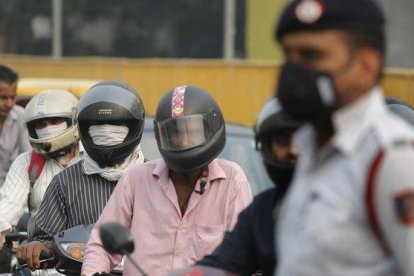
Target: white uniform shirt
<point x="14" y="192"/>
<point x="323" y="224"/>
<point x="14" y="140"/>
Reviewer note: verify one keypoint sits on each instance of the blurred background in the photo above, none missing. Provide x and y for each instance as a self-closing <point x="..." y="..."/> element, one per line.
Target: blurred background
<point x="224" y="46"/>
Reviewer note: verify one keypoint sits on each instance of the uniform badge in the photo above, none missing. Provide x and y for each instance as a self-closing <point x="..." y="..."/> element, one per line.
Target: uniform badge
<point x="404" y="207"/>
<point x="309" y="11"/>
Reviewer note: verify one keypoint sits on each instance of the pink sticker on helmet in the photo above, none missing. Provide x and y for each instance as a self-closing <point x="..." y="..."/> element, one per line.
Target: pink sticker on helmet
<point x="177" y="102"/>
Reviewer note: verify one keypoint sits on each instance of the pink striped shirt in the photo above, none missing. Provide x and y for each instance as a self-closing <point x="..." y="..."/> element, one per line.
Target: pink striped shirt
<point x="145" y="201"/>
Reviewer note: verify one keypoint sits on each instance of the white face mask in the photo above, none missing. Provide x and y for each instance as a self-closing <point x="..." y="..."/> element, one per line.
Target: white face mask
<point x="51" y="130"/>
<point x="108" y="135"/>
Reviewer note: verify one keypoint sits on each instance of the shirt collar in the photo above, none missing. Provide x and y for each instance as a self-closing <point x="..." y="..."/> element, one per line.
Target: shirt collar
<point x="13" y="116"/>
<point x="215" y="171"/>
<point x="353" y="122"/>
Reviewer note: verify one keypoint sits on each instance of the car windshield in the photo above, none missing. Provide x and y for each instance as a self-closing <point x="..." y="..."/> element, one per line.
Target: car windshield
<point x="239" y="148"/>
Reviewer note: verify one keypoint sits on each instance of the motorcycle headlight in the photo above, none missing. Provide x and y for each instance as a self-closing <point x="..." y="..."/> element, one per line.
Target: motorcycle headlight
<point x="74" y="249"/>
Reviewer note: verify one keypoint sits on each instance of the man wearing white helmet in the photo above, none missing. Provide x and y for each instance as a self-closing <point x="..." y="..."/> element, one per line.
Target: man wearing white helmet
<point x="110" y="118"/>
<point x="53" y="134"/>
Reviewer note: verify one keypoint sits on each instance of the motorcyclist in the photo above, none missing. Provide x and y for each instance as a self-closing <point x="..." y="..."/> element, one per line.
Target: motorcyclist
<point x="249" y="247"/>
<point x="178" y="207"/>
<point x="111" y="120"/>
<point x="54" y="137"/>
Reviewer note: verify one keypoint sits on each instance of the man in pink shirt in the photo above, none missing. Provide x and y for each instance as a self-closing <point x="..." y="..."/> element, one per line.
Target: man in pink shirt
<point x="177" y="208"/>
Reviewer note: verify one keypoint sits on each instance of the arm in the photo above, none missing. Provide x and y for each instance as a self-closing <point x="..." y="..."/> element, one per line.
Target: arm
<point x="14" y="192"/>
<point x="394" y="204"/>
<point x="5" y="227"/>
<point x="120" y="208"/>
<point x="50" y="220"/>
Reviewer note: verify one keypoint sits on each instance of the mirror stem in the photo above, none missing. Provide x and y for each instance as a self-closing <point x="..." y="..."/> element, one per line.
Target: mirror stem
<point x="135" y="264"/>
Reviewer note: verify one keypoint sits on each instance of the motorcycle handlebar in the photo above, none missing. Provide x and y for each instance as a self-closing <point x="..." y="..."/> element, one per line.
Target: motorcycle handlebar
<point x="12" y="237"/>
<point x="47" y="260"/>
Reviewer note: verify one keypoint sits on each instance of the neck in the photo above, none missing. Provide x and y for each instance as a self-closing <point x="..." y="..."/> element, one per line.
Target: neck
<point x="184" y="184"/>
<point x="324" y="131"/>
<point x="185" y="178"/>
<point x="69" y="156"/>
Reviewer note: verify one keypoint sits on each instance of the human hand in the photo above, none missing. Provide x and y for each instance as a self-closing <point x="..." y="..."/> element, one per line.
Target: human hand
<point x="30" y="253"/>
<point x="1" y="240"/>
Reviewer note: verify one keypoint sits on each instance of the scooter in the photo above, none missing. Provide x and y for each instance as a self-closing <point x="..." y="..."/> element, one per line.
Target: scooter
<point x="67" y="251"/>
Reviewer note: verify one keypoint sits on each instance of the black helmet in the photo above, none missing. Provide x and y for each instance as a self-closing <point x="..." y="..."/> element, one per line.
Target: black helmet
<point x="401" y="109"/>
<point x="111" y="102"/>
<point x="273" y="121"/>
<point x="189" y="128"/>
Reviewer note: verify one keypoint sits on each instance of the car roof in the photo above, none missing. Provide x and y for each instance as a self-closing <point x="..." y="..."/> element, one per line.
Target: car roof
<point x="233" y="129"/>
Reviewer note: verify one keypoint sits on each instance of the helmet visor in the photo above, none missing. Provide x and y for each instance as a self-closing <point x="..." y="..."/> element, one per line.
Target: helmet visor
<point x="182" y="133"/>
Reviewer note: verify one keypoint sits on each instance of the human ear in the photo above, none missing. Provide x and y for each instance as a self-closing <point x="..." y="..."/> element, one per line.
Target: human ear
<point x="369" y="66"/>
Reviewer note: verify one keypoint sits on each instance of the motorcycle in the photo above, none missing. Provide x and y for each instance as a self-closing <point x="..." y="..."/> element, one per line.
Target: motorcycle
<point x="68" y="248"/>
<point x="16" y="237"/>
<point x="67" y="251"/>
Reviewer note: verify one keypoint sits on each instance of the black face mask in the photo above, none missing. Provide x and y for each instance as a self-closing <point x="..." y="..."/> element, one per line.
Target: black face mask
<point x="279" y="171"/>
<point x="305" y="94"/>
<point x="281" y="176"/>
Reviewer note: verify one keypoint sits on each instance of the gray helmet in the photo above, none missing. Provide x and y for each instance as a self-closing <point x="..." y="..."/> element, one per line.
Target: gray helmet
<point x="111" y="102"/>
<point x="52" y="103"/>
<point x="401" y="109"/>
<point x="272" y="118"/>
<point x="271" y="122"/>
<point x="189" y="128"/>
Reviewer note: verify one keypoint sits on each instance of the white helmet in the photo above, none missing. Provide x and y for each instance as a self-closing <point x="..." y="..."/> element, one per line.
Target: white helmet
<point x="52" y="103"/>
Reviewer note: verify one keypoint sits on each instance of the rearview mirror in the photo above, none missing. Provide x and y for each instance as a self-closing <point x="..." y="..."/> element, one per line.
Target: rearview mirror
<point x="116" y="238"/>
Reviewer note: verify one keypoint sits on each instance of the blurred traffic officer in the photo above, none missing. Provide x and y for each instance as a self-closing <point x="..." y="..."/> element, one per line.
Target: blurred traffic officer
<point x="349" y="208"/>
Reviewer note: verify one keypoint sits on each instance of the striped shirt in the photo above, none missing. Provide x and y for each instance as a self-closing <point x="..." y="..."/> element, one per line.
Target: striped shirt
<point x="73" y="198"/>
<point x="14" y="192"/>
